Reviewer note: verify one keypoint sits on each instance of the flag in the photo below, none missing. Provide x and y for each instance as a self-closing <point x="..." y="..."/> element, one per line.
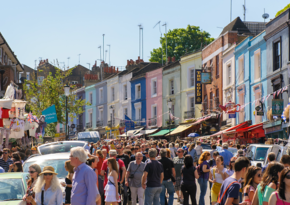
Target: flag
<point x="274" y="94"/>
<point x="171" y="116"/>
<point x="29" y="117"/>
<point x="268" y="96"/>
<point x="278" y="92"/>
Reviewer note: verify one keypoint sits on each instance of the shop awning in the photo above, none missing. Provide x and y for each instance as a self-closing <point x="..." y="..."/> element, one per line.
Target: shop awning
<point x="131" y="132"/>
<point x="254" y="131"/>
<point x="201" y="120"/>
<point x="162" y="132"/>
<point x="147" y="132"/>
<point x="181" y="128"/>
<point x="232" y="129"/>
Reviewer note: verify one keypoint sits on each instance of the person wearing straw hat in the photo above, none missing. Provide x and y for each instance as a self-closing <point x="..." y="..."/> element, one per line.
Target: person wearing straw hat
<point x="47" y="189"/>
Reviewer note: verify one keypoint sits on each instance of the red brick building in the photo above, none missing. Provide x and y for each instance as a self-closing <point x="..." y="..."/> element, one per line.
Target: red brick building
<point x="212" y="62"/>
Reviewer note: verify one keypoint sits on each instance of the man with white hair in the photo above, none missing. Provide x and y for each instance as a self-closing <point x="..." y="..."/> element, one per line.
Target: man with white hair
<point x="84" y="186"/>
<point x="226" y="154"/>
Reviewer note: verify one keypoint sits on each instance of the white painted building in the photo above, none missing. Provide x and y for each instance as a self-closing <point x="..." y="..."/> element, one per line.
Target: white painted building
<point x="113" y="98"/>
<point x="125" y="94"/>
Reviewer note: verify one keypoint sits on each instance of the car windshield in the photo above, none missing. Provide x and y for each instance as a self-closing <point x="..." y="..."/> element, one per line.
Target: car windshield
<point x="233" y="151"/>
<point x="57" y="148"/>
<point x="205" y="146"/>
<point x="11" y="189"/>
<point x="261" y="153"/>
<point x="57" y="164"/>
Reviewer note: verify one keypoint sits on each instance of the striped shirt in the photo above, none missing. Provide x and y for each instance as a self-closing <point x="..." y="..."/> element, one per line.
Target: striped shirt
<point x="5" y="165"/>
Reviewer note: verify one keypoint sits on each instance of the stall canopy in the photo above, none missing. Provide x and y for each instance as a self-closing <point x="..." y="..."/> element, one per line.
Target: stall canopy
<point x="131" y="132"/>
<point x="162" y="132"/>
<point x="181" y="128"/>
<point x="231" y="129"/>
<point x="254" y="131"/>
<point x="147" y="132"/>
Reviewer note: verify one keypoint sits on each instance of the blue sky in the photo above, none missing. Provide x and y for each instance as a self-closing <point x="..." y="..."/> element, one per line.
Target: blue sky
<point x="58" y="29"/>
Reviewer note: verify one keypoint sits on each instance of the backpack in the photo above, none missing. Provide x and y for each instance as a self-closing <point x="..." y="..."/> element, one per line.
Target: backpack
<point x="117" y="160"/>
<point x="199" y="169"/>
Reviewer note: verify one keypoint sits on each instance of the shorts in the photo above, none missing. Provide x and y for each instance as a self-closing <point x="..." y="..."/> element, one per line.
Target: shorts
<point x="214" y="196"/>
<point x="177" y="186"/>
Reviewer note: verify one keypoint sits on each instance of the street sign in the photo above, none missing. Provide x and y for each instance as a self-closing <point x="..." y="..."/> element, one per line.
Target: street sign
<point x="50" y="114"/>
<point x="260" y="113"/>
<point x="73" y="126"/>
<point x="206" y="78"/>
<point x="277" y="107"/>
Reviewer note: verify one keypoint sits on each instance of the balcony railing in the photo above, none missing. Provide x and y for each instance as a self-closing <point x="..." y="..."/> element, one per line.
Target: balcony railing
<point x="152" y="122"/>
<point x="170" y="122"/>
<point x="138" y="122"/>
<point x="88" y="125"/>
<point x="122" y="123"/>
<point x="80" y="127"/>
<point x="100" y="123"/>
<point x="189" y="114"/>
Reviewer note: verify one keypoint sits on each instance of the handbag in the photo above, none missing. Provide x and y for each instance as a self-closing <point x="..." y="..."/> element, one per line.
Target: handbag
<point x="132" y="175"/>
<point x="216" y="187"/>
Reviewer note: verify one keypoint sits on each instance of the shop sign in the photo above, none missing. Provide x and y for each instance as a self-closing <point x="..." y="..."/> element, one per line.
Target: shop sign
<point x="213" y="130"/>
<point x="277" y="107"/>
<point x="232" y="115"/>
<point x="206" y="78"/>
<point x="198" y="88"/>
<point x="273" y="129"/>
<point x="260" y="113"/>
<point x="50" y="114"/>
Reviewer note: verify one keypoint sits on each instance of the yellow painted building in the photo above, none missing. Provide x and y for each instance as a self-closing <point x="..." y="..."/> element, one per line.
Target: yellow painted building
<point x="189" y="63"/>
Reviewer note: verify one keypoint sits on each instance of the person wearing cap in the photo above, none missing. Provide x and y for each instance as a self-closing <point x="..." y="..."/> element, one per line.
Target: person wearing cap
<point x="226" y="154"/>
<point x="47" y="189"/>
<point x="34" y="150"/>
<point x="84" y="186"/>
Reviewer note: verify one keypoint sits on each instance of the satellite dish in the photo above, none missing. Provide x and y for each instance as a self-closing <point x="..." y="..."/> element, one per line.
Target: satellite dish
<point x="265" y="16"/>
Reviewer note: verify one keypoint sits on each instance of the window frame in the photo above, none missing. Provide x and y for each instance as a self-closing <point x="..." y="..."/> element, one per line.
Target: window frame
<point x="125" y="89"/>
<point x="101" y="95"/>
<point x="171" y="87"/>
<point x="153" y="93"/>
<point x="112" y="93"/>
<point x="217" y="67"/>
<point x="278" y="40"/>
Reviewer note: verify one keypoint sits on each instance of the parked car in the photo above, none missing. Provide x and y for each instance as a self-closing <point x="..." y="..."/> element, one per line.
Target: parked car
<point x="58" y="147"/>
<point x="12" y="187"/>
<point x="279" y="151"/>
<point x="257" y="153"/>
<point x="55" y="160"/>
<point x="206" y="147"/>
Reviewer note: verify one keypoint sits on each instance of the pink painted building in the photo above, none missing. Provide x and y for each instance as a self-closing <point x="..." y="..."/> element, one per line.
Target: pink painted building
<point x="154" y="98"/>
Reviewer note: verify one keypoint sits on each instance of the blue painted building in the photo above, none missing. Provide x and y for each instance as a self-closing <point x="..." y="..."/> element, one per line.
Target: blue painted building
<point x="101" y="106"/>
<point x="250" y="74"/>
<point x="138" y="93"/>
<point x="91" y="121"/>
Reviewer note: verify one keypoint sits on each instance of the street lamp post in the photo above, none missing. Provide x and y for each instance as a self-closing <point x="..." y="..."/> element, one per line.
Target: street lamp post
<point x="66" y="93"/>
<point x="169" y="105"/>
<point x="111" y="115"/>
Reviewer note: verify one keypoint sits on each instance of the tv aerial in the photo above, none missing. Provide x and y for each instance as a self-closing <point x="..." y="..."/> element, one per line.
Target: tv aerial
<point x="265" y="16"/>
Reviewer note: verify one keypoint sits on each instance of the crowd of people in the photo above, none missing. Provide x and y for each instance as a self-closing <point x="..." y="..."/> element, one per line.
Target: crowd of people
<point x="151" y="172"/>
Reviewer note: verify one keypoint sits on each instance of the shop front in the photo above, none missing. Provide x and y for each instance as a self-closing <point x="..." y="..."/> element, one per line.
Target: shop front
<point x="275" y="130"/>
<point x="251" y="134"/>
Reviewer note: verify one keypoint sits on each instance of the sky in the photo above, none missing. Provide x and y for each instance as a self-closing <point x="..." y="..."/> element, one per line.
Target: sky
<point x="58" y="29"/>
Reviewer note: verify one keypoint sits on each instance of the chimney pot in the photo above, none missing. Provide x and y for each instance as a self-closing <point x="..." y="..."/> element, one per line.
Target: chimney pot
<point x="169" y="59"/>
<point x="117" y="70"/>
<point x="114" y="70"/>
<point x="173" y="59"/>
<point x="128" y="62"/>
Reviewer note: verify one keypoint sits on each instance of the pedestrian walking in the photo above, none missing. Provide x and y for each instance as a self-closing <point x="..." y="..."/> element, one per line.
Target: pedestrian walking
<point x="268" y="184"/>
<point x="84" y="188"/>
<point x="198" y="149"/>
<point x="281" y="196"/>
<point x="169" y="175"/>
<point x="47" y="189"/>
<point x="192" y="153"/>
<point x="252" y="179"/>
<point x="213" y="147"/>
<point x="178" y="163"/>
<point x="188" y="185"/>
<point x="154" y="175"/>
<point x="172" y="150"/>
<point x="134" y="179"/>
<point x="227" y="155"/>
<point x="229" y="192"/>
<point x="111" y="189"/>
<point x="216" y="176"/>
<point x="231" y="168"/>
<point x="5" y="161"/>
<point x="285" y="160"/>
<point x="68" y="181"/>
<point x="203" y="169"/>
<point x="34" y="171"/>
<point x="271" y="158"/>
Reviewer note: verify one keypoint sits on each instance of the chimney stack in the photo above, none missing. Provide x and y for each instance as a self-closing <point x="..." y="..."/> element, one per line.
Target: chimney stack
<point x="169" y="59"/>
<point x="128" y="62"/>
<point x="117" y="70"/>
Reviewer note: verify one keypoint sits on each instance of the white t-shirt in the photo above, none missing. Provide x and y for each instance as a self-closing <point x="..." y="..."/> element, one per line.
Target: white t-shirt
<point x="230" y="172"/>
<point x="198" y="149"/>
<point x="218" y="177"/>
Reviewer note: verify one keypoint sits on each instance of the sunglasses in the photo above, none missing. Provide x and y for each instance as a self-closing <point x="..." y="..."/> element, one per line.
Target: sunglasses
<point x="31" y="172"/>
<point x="5" y="152"/>
<point x="47" y="174"/>
<point x="136" y="148"/>
<point x="179" y="152"/>
<point x="287" y="176"/>
<point x="232" y="161"/>
<point x="259" y="175"/>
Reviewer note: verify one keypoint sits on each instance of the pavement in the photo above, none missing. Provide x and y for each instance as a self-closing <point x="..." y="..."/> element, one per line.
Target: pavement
<point x="206" y="198"/>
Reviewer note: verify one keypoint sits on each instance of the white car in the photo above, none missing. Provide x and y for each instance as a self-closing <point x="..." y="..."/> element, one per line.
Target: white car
<point x="257" y="154"/>
<point x="59" y="147"/>
<point x="55" y="160"/>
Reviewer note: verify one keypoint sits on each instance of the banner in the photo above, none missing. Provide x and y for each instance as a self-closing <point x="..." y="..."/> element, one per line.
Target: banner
<point x="277" y="107"/>
<point x="206" y="78"/>
<point x="198" y="88"/>
<point x="50" y="114"/>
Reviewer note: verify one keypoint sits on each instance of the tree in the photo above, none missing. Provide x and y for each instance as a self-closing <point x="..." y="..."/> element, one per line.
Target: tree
<point x="281" y="11"/>
<point x="41" y="95"/>
<point x="179" y="42"/>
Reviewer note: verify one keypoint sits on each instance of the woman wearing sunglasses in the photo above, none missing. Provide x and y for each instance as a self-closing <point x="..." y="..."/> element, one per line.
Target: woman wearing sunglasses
<point x="282" y="196"/>
<point x="34" y="171"/>
<point x="252" y="179"/>
<point x="231" y="169"/>
<point x="47" y="189"/>
<point x="269" y="183"/>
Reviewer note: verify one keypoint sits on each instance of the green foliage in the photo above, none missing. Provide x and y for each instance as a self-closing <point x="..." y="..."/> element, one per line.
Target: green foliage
<point x="281" y="11"/>
<point x="181" y="41"/>
<point x="51" y="92"/>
